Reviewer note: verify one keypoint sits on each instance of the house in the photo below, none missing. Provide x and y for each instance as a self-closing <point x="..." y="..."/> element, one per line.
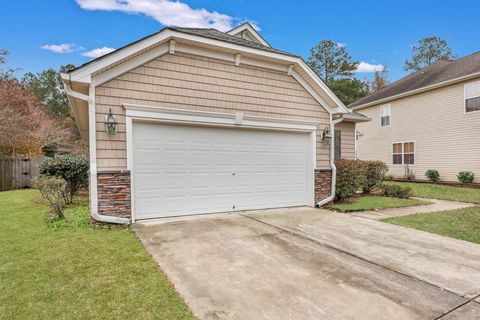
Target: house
<point x="193" y="121"/>
<point x="427" y="120"/>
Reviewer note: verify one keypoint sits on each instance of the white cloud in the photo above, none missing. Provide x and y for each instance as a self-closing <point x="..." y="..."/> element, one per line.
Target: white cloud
<point x="368" y="68"/>
<point x="167" y="12"/>
<point x="341" y="44"/>
<point x="61" y="48"/>
<point x="98" y="52"/>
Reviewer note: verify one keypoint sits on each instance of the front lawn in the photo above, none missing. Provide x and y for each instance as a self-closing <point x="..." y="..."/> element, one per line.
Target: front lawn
<point x="461" y="224"/>
<point x="437" y="191"/>
<point x="73" y="271"/>
<point x="375" y="202"/>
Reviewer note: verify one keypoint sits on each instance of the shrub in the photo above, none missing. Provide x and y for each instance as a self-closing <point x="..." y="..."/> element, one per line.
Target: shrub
<point x="466" y="176"/>
<point x="375" y="174"/>
<point x="55" y="191"/>
<point x="396" y="191"/>
<point x="432" y="175"/>
<point x="71" y="168"/>
<point x="350" y="178"/>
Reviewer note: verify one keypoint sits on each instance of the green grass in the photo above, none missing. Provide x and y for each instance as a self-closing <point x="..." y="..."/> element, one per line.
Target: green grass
<point x="375" y="202"/>
<point x="436" y="191"/>
<point x="50" y="270"/>
<point x="461" y="224"/>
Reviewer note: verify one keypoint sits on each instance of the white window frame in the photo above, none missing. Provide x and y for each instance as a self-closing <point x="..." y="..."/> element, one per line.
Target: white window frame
<point x="389" y="108"/>
<point x="403" y="153"/>
<point x="465" y="98"/>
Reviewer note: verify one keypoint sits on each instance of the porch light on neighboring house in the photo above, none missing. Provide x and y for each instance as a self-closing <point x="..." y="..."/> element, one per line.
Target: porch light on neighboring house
<point x="111" y="124"/>
<point x="326" y="135"/>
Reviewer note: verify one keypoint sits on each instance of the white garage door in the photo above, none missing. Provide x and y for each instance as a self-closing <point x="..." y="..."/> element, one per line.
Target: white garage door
<point x="185" y="170"/>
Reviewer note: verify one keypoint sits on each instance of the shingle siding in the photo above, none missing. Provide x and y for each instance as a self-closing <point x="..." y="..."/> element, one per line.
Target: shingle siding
<point x="347" y="130"/>
<point x="185" y="81"/>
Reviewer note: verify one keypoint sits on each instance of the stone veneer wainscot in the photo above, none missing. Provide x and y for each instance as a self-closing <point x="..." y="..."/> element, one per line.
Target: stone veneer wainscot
<point x="114" y="193"/>
<point x="323" y="184"/>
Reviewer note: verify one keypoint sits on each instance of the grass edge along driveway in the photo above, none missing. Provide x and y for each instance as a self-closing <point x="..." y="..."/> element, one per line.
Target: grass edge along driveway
<point x="374" y="202"/>
<point x="442" y="192"/>
<point x="76" y="273"/>
<point x="463" y="224"/>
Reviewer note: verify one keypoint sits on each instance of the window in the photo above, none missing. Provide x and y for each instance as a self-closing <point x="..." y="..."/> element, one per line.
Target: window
<point x="472" y="97"/>
<point x="338" y="144"/>
<point x="385" y="113"/>
<point x="403" y="153"/>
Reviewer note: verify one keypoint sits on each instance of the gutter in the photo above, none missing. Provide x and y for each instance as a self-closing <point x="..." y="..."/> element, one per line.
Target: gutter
<point x="416" y="91"/>
<point x="332" y="163"/>
<point x="93" y="154"/>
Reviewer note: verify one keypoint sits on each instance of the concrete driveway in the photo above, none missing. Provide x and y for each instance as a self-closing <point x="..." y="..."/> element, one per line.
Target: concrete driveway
<point x="307" y="263"/>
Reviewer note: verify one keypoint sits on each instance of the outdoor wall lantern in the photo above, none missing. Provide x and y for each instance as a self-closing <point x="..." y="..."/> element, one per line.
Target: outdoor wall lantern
<point x="326" y="135"/>
<point x="111" y="124"/>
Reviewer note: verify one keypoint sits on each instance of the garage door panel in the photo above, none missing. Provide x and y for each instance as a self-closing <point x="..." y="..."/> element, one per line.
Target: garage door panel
<point x="182" y="170"/>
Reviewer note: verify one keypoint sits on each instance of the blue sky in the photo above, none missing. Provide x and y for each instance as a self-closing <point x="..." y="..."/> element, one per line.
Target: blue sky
<point x="375" y="32"/>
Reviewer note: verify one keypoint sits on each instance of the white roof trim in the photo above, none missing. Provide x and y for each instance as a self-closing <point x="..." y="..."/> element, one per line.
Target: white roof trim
<point x="251" y="29"/>
<point x="181" y="115"/>
<point x="84" y="74"/>
<point x="419" y="90"/>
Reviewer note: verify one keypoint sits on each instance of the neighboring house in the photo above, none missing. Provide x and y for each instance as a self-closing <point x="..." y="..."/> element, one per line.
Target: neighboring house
<point x="427" y="120"/>
<point x="207" y="122"/>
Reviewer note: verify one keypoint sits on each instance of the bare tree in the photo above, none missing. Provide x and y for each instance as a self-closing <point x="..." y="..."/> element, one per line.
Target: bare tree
<point x="25" y="125"/>
<point x="380" y="80"/>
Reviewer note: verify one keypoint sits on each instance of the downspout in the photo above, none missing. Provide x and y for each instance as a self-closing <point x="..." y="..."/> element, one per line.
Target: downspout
<point x="332" y="162"/>
<point x="93" y="156"/>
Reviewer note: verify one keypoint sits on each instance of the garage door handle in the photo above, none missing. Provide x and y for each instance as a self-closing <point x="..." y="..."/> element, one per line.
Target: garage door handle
<point x="233" y="173"/>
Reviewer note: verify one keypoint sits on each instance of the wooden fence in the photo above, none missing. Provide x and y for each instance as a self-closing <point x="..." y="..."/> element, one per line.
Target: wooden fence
<point x="18" y="172"/>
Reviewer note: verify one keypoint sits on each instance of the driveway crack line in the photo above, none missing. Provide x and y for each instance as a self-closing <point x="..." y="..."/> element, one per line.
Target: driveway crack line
<point x="357" y="257"/>
<point x="458" y="307"/>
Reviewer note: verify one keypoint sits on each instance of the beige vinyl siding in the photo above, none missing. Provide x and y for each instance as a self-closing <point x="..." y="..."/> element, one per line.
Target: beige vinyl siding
<point x="347" y="130"/>
<point x="446" y="138"/>
<point x="197" y="83"/>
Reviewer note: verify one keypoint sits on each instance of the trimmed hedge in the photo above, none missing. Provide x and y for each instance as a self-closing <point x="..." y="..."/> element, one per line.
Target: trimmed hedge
<point x="351" y="175"/>
<point x="396" y="191"/>
<point x="71" y="168"/>
<point x="432" y="175"/>
<point x="375" y="174"/>
<point x="466" y="176"/>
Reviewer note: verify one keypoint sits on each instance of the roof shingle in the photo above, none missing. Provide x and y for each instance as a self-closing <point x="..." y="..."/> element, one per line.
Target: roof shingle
<point x="221" y="36"/>
<point x="438" y="72"/>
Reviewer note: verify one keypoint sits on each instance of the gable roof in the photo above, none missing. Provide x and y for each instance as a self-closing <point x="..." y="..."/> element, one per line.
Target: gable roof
<point x="247" y="29"/>
<point x="218" y="35"/>
<point x="160" y="42"/>
<point x="442" y="72"/>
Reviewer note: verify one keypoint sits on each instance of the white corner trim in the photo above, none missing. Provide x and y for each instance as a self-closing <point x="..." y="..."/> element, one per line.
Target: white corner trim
<point x="171" y="47"/>
<point x="322" y="85"/>
<point x="238" y="57"/>
<point x="310" y="90"/>
<point x="130" y="64"/>
<point x="142" y="112"/>
<point x="93" y="164"/>
<point x="332" y="165"/>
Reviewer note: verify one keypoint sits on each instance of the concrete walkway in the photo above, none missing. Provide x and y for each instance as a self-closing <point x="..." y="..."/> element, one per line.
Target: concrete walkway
<point x="307" y="263"/>
<point x="433" y="206"/>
